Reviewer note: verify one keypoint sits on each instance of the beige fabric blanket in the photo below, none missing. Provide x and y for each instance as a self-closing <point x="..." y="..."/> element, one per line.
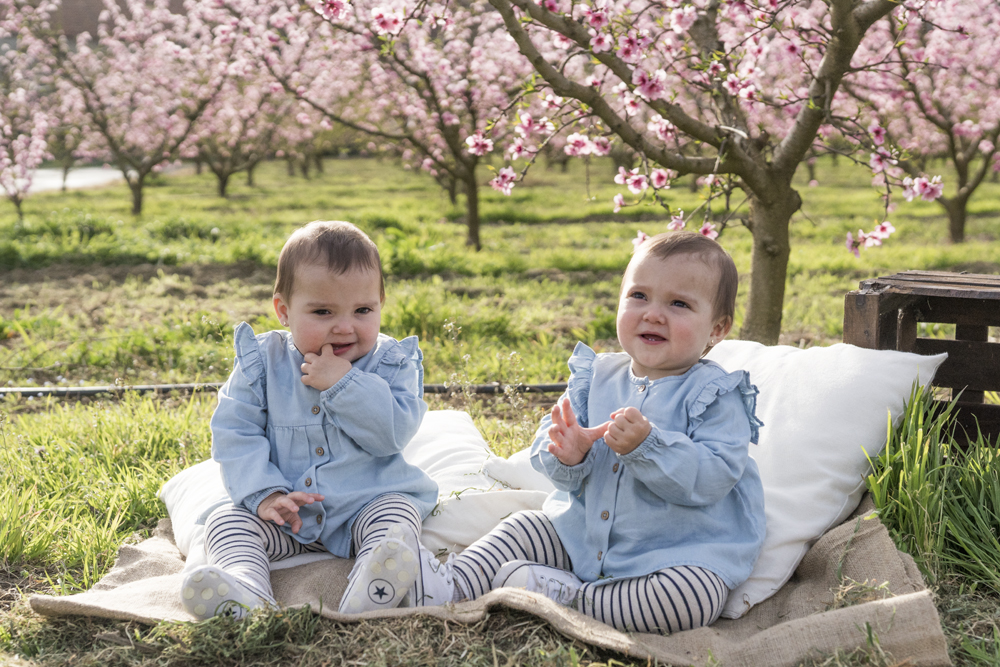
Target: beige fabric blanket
<point x="800" y="622"/>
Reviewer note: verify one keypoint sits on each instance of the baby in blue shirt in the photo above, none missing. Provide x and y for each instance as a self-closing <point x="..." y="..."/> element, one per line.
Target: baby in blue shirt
<point x="659" y="510"/>
<point x="309" y="432"/>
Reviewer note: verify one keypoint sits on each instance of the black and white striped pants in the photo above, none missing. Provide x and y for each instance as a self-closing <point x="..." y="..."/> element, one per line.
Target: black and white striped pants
<point x="665" y="601"/>
<point x="243" y="544"/>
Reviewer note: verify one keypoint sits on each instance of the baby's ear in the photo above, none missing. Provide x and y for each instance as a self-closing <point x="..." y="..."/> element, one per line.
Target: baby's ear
<point x="721" y="328"/>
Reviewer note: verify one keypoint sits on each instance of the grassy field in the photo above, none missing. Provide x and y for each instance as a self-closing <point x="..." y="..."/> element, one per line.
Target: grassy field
<point x="90" y="295"/>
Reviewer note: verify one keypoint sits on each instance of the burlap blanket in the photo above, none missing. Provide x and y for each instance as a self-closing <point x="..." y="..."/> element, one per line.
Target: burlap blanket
<point x="805" y="619"/>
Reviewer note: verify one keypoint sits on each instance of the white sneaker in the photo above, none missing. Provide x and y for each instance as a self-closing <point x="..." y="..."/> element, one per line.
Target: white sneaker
<point x="559" y="585"/>
<point x="210" y="591"/>
<point x="381" y="579"/>
<point x="438" y="580"/>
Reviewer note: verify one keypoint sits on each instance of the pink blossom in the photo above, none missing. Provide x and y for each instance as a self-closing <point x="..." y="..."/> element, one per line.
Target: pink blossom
<point x="628" y="48"/>
<point x="334" y="10"/>
<point x="715" y="68"/>
<point x="855" y="246"/>
<point x="504" y="180"/>
<point x="881" y="160"/>
<point x="708" y="230"/>
<point x="732" y="84"/>
<point x="660" y="178"/>
<point x="552" y="102"/>
<point x="619" y="202"/>
<point x="640" y="238"/>
<point x="883" y="230"/>
<point x="597" y="18"/>
<point x="681" y="20"/>
<point x="877" y="133"/>
<point x="635" y="181"/>
<point x="387" y="21"/>
<point x="676" y="223"/>
<point x="929" y="190"/>
<point x="651" y="86"/>
<point x="577" y="144"/>
<point x="478" y="144"/>
<point x="551" y="5"/>
<point x="600" y="42"/>
<point x="600" y="146"/>
<point x="518" y="150"/>
<point x="663" y="128"/>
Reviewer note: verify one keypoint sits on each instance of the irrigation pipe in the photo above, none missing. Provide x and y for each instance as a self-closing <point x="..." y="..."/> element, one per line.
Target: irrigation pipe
<point x="81" y="392"/>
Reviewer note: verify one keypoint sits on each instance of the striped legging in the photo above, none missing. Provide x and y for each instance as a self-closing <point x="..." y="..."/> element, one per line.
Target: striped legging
<point x="668" y="600"/>
<point x="243" y="544"/>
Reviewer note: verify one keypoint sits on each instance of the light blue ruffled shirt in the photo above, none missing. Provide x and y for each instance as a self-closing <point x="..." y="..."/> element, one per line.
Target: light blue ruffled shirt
<point x="272" y="433"/>
<point x="689" y="494"/>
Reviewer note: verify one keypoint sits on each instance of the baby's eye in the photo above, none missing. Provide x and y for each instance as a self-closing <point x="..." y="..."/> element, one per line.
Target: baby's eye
<point x="363" y="310"/>
<point x="321" y="311"/>
<point x="679" y="303"/>
<point x="637" y="295"/>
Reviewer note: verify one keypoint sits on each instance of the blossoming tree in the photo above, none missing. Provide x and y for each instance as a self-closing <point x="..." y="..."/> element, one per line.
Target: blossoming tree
<point x="238" y="128"/>
<point x="738" y="91"/>
<point x="143" y="80"/>
<point x="936" y="93"/>
<point x="426" y="83"/>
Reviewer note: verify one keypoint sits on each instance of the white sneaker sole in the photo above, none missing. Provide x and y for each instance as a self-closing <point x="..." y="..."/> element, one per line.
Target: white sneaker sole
<point x="384" y="579"/>
<point x="210" y="591"/>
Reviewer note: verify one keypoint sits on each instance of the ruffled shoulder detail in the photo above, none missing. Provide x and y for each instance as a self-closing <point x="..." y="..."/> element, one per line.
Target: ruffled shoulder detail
<point x="581" y="366"/>
<point x="724" y="383"/>
<point x="251" y="362"/>
<point x="392" y="354"/>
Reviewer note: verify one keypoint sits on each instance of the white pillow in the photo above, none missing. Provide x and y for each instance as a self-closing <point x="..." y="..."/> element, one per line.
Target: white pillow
<point x="448" y="447"/>
<point x="824" y="409"/>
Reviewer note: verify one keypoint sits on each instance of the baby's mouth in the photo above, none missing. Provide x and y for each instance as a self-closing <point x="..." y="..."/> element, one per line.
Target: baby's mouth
<point x="338" y="349"/>
<point x="652" y="337"/>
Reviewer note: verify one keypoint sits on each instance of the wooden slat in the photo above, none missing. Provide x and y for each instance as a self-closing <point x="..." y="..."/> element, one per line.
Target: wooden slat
<point x="939" y="290"/>
<point x="870" y="319"/>
<point x="971" y="365"/>
<point x="971" y="417"/>
<point x="981" y="312"/>
<point x="942" y="278"/>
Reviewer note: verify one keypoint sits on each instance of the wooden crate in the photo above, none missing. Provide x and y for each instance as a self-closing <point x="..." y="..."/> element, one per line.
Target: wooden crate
<point x="883" y="315"/>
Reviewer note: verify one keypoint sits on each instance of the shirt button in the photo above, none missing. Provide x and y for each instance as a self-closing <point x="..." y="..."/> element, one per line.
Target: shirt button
<point x="641" y="388"/>
<point x="315" y="409"/>
<point x="309" y="482"/>
<point x="604" y="514"/>
<point x="615" y="468"/>
<point x="319" y="519"/>
<point x="319" y="451"/>
<point x="599" y="553"/>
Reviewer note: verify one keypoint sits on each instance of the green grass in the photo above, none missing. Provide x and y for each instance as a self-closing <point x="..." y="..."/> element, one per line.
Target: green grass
<point x="92" y="295"/>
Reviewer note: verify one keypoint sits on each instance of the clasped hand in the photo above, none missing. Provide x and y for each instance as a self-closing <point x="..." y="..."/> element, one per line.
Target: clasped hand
<point x="282" y="508"/>
<point x="322" y="371"/>
<point x="623" y="432"/>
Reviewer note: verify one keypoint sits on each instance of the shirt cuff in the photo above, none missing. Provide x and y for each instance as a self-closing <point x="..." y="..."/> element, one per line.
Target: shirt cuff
<point x="342" y="383"/>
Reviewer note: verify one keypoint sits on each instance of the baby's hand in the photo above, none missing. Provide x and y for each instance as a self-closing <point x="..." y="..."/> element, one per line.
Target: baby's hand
<point x="626" y="430"/>
<point x="570" y="441"/>
<point x="281" y="507"/>
<point x="322" y="371"/>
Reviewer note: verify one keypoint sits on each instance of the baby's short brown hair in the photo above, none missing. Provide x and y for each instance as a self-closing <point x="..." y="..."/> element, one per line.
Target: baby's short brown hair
<point x="667" y="244"/>
<point x="340" y="244"/>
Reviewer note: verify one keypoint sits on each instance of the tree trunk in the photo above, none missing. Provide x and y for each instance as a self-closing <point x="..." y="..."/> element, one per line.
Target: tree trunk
<point x="304" y="167"/>
<point x="290" y="164"/>
<point x="197" y="167"/>
<point x="769" y="264"/>
<point x="17" y="204"/>
<point x="66" y="168"/>
<point x="250" y="169"/>
<point x="136" y="194"/>
<point x="452" y="191"/>
<point x="223" y="184"/>
<point x="956" y="208"/>
<point x="472" y="210"/>
<point x="318" y="160"/>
